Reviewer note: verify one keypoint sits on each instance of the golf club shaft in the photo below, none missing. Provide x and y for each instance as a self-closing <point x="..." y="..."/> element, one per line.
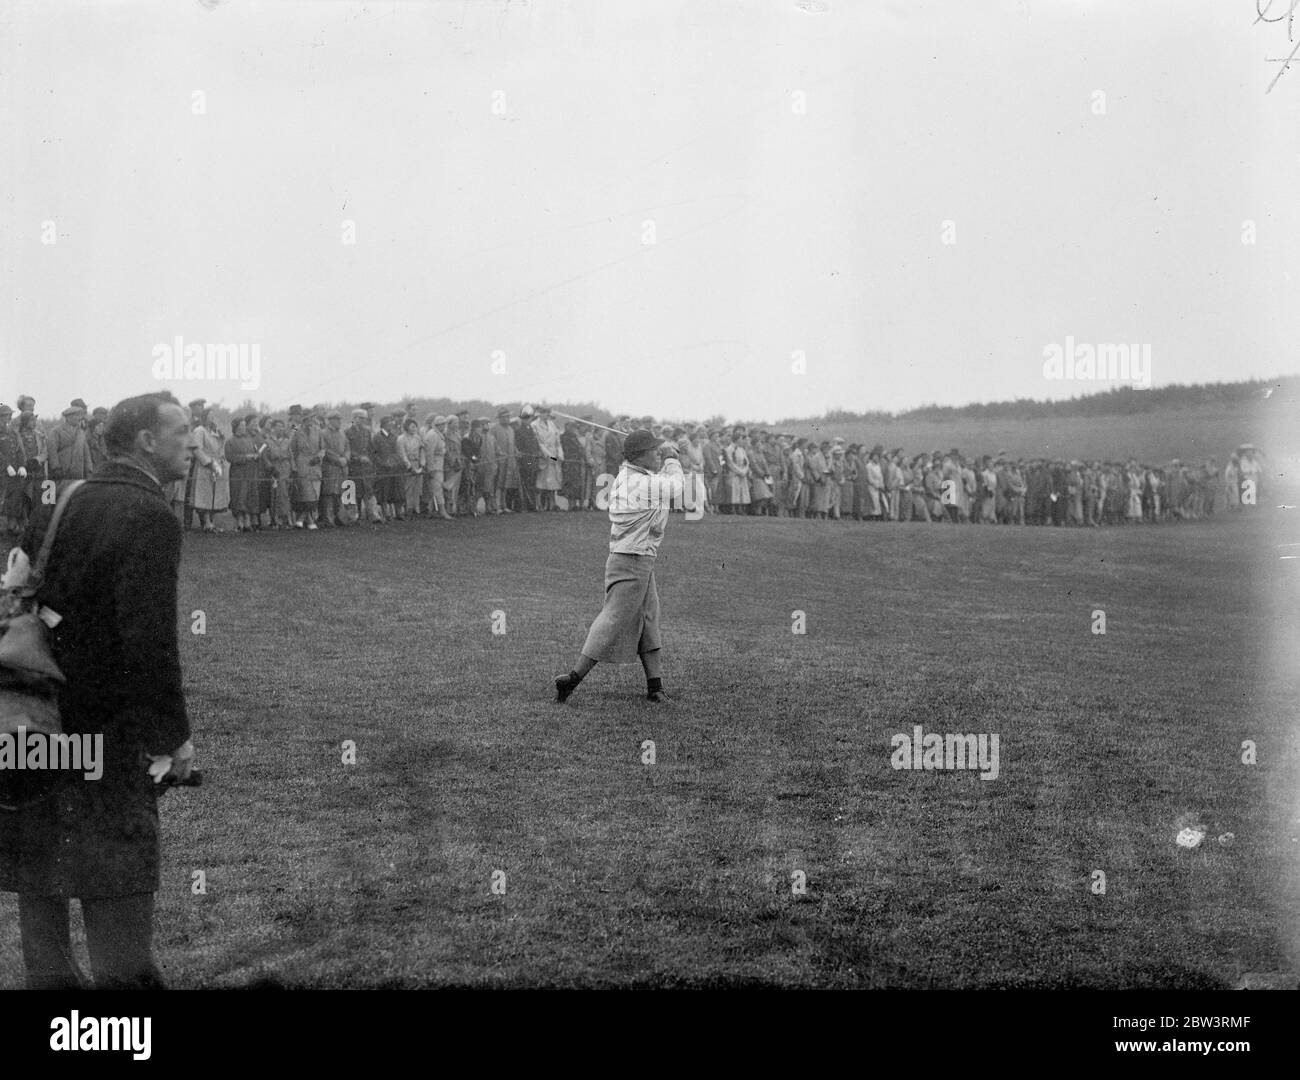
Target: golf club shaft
<point x="580" y="420"/>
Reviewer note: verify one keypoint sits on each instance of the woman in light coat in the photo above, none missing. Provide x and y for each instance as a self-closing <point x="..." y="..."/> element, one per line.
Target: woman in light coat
<point x="817" y="470"/>
<point x="737" y="479"/>
<point x="410" y="448"/>
<point x="692" y="462"/>
<point x="211" y="485"/>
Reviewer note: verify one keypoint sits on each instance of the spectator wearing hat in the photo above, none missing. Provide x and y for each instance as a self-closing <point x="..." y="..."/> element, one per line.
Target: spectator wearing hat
<point x="927" y="484"/>
<point x="896" y="477"/>
<point x="874" y="489"/>
<point x="1155" y="484"/>
<point x="1074" y="493"/>
<point x="1133" y="493"/>
<point x="984" y="503"/>
<point x="211" y="494"/>
<point x="277" y="465"/>
<point x="507" y="460"/>
<point x="1016" y="488"/>
<point x="435" y="459"/>
<point x="914" y="505"/>
<point x="775" y="458"/>
<point x="471" y="459"/>
<point x="692" y="461"/>
<point x="31" y="441"/>
<point x="1038" y="486"/>
<point x="241" y="457"/>
<point x="1212" y="486"/>
<point x="1232" y="483"/>
<point x="1058" y="498"/>
<point x="530" y="452"/>
<point x="628" y="623"/>
<point x="26" y="406"/>
<point x="95" y="437"/>
<point x="468" y="493"/>
<point x="593" y="459"/>
<point x="453" y="469"/>
<point x="1091" y="474"/>
<point x="334" y="471"/>
<point x="254" y="429"/>
<point x="307" y="451"/>
<point x="550" y="459"/>
<point x="70" y="459"/>
<point x="485" y="468"/>
<point x="952" y="497"/>
<point x="866" y="476"/>
<point x="711" y="452"/>
<point x="180" y="492"/>
<point x="816" y="471"/>
<point x="389" y="493"/>
<point x="1174" y="488"/>
<point x="13" y="480"/>
<point x="793" y="497"/>
<point x="410" y="448"/>
<point x="573" y="455"/>
<point x="835" y="484"/>
<point x="760" y="491"/>
<point x="361" y="466"/>
<point x="720" y="494"/>
<point x="736" y="482"/>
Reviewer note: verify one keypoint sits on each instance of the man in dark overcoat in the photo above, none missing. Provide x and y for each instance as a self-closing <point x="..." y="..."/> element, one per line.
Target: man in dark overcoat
<point x="112" y="578"/>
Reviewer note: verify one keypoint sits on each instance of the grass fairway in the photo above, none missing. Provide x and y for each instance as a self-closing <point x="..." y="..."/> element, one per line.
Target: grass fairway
<point x="776" y="760"/>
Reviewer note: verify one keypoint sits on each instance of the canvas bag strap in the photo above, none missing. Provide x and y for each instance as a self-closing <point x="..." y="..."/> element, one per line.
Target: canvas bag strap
<point x="38" y="570"/>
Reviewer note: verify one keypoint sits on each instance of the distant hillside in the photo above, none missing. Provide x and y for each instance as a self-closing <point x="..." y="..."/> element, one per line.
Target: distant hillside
<point x="1120" y="401"/>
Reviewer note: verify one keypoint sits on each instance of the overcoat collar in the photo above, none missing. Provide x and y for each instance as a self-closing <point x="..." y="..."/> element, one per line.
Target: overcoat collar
<point x="121" y="472"/>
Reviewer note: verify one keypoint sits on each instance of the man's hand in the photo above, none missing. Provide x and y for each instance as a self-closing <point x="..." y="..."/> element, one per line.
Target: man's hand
<point x="175" y="765"/>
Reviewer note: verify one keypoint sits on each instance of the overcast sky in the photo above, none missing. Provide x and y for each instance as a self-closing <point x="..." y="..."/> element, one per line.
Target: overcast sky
<point x="503" y="166"/>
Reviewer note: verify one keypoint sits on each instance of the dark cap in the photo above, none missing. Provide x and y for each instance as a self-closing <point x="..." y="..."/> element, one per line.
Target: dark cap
<point x="638" y="443"/>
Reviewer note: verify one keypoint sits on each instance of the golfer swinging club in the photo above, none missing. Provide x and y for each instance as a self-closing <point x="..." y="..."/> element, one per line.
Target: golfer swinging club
<point x="639" y="501"/>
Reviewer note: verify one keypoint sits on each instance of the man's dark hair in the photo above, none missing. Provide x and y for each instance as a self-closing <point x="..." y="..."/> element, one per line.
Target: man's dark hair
<point x="132" y="416"/>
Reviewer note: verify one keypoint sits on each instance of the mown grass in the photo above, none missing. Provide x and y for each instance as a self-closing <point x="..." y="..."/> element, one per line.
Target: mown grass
<point x="776" y="759"/>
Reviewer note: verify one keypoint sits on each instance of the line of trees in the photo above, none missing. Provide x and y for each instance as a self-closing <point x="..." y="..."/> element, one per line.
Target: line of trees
<point x="1119" y="401"/>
